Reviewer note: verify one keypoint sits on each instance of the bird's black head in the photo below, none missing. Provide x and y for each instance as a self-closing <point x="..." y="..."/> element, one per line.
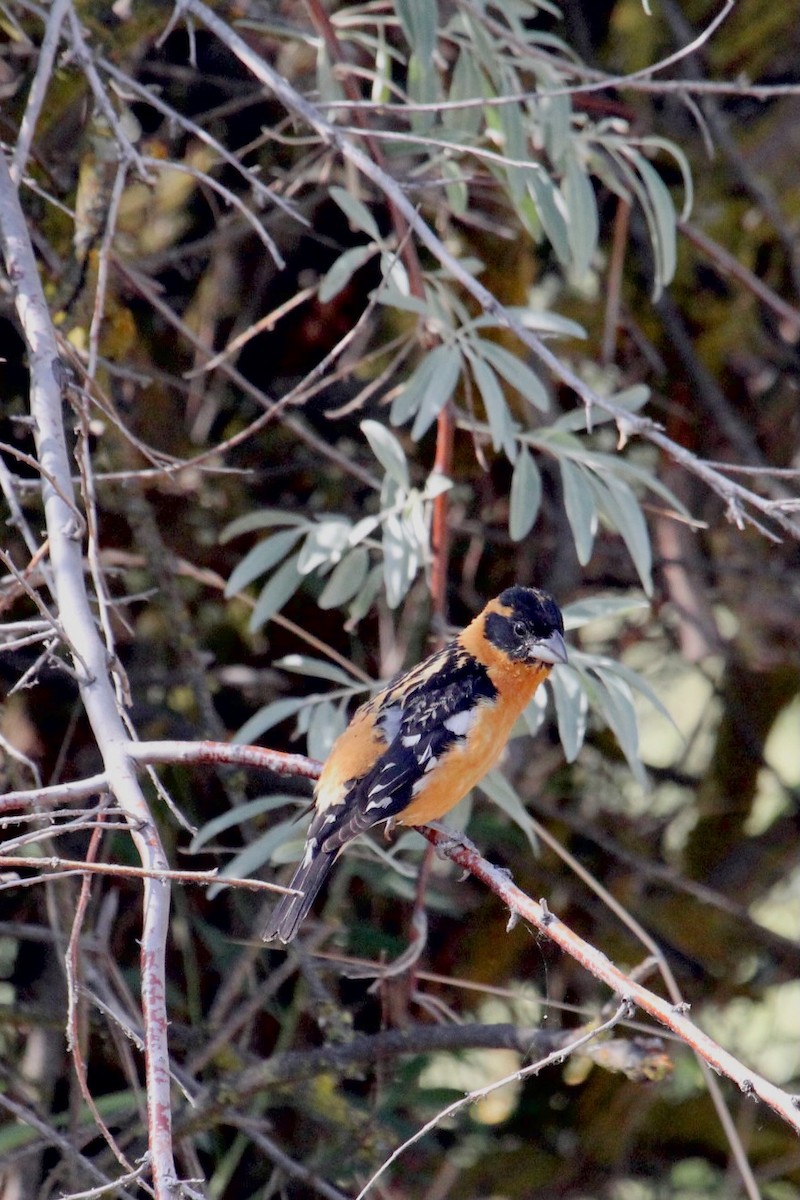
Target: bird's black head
<point x="527" y="625"/>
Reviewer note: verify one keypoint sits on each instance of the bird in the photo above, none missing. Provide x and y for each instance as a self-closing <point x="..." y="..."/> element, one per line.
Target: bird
<point x="414" y="750"/>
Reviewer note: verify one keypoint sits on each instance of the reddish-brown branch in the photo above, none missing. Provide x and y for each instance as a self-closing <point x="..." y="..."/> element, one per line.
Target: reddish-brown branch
<point x="87" y="867"/>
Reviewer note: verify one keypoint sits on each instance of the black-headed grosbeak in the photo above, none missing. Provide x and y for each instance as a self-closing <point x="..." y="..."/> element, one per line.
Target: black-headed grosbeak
<point x="413" y="751"/>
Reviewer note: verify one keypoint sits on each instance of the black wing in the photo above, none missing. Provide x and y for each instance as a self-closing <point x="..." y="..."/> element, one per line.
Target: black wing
<point x="422" y="716"/>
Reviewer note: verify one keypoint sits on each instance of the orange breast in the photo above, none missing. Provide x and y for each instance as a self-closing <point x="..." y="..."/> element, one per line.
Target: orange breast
<point x="464" y="766"/>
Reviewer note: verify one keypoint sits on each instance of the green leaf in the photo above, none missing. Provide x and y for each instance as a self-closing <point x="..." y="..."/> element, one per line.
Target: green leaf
<point x="664" y="219"/>
<point x="419" y="19"/>
<point x="517" y="373"/>
<point x="499" y="790"/>
<point x="538" y="321"/>
<point x="595" y="608"/>
<point x="580" y="506"/>
<point x="238" y="816"/>
<point x="572" y="707"/>
<point x="619" y="505"/>
<point x="400" y="560"/>
<point x="265" y="518"/>
<point x="316" y="668"/>
<point x="555" y="115"/>
<point x="365" y="598"/>
<point x="526" y="496"/>
<point x="501" y="425"/>
<point x="616" y="703"/>
<point x="324" y="545"/>
<point x="547" y="199"/>
<point x="327" y="722"/>
<point x="262" y="558"/>
<point x="582" y="221"/>
<point x="387" y="450"/>
<point x="281" y="587"/>
<point x="268" y="717"/>
<point x="343" y="270"/>
<point x="346" y="579"/>
<point x="428" y="389"/>
<point x="356" y="212"/>
<point x="466" y="84"/>
<point x="257" y="854"/>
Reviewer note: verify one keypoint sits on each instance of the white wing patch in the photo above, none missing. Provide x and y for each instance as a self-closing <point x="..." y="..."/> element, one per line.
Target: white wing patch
<point x="460" y="723"/>
<point x="390" y="720"/>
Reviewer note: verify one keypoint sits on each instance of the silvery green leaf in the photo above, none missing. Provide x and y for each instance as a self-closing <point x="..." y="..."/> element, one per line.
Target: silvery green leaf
<point x="362" y="529"/>
<point x="619" y="505"/>
<point x="538" y="321"/>
<point x="254" y="856"/>
<point x="238" y="815"/>
<point x="316" y="668"/>
<point x="572" y="707"/>
<point x="456" y="189"/>
<point x="366" y="597"/>
<point x="439" y="390"/>
<point x="580" y="506"/>
<point x="616" y="704"/>
<point x="422" y="82"/>
<point x="548" y="201"/>
<point x="346" y="580"/>
<point x="419" y="19"/>
<point x="400" y="560"/>
<point x="356" y="212"/>
<point x="387" y="450"/>
<point x="498" y="789"/>
<point x="533" y="716"/>
<point x="526" y="496"/>
<point x="595" y="608"/>
<point x="280" y="588"/>
<point x="665" y="222"/>
<point x="265" y="518"/>
<point x="466" y="84"/>
<point x="433" y="373"/>
<point x="343" y="270"/>
<point x="325" y="543"/>
<point x="589" y="662"/>
<point x="555" y="114"/>
<point x="501" y="425"/>
<point x="517" y="373"/>
<point x="395" y="278"/>
<point x="262" y="558"/>
<point x="327" y="722"/>
<point x="582" y="222"/>
<point x="267" y="718"/>
<point x="394" y="297"/>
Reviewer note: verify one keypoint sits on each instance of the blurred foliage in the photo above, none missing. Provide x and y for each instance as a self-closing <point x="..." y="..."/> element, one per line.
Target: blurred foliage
<point x="260" y="590"/>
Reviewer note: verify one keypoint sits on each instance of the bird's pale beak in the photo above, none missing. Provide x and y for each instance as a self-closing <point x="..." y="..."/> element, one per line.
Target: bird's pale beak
<point x="550" y="650"/>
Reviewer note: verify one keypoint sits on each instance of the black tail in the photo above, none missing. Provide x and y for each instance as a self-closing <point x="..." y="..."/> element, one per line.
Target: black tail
<point x="290" y="911"/>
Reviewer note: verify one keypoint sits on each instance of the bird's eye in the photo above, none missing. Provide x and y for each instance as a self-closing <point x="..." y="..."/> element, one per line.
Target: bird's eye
<point x="520" y="629"/>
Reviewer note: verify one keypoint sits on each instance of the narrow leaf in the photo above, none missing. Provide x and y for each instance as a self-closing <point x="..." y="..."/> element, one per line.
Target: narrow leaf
<point x="582" y="221"/>
<point x="262" y="558"/>
<point x="343" y="270"/>
<point x="501" y="425"/>
<point x="517" y="373"/>
<point x="526" y="496"/>
<point x="356" y="212"/>
<point x="581" y="510"/>
<point x="387" y="450"/>
<point x="281" y="587"/>
<point x="346" y="580"/>
<point x="572" y="707"/>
